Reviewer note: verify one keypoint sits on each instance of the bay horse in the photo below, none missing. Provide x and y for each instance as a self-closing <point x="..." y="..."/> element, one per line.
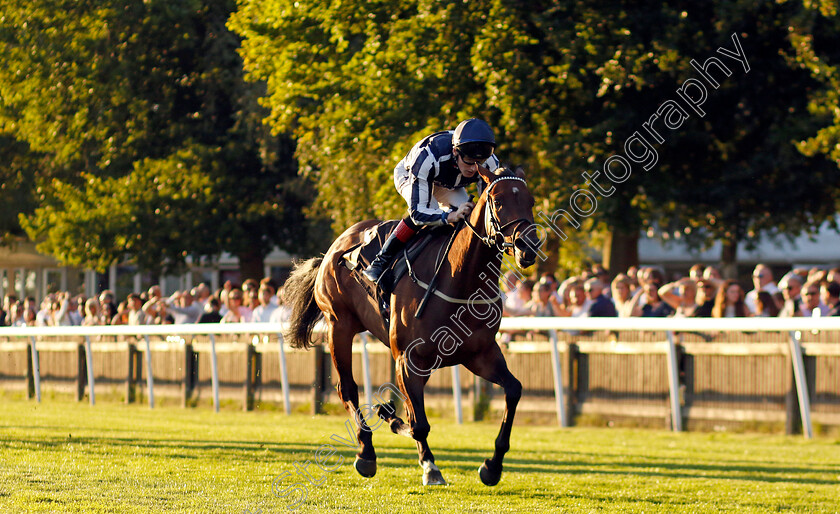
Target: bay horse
<point x="458" y="327"/>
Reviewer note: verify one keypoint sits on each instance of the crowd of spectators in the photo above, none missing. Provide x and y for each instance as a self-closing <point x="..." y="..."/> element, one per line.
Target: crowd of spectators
<point x="701" y="293"/>
<point x="253" y="301"/>
<point x="637" y="292"/>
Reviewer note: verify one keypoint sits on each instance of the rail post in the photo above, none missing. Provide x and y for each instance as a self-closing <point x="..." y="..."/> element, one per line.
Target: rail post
<point x="189" y="372"/>
<point x="89" y="365"/>
<point x="130" y="376"/>
<point x="214" y="372"/>
<point x="801" y="383"/>
<point x="456" y="393"/>
<point x="36" y="370"/>
<point x="674" y="384"/>
<point x="250" y="373"/>
<point x="318" y="379"/>
<point x="284" y="377"/>
<point x="150" y="382"/>
<point x="81" y="372"/>
<point x="559" y="394"/>
<point x="571" y="367"/>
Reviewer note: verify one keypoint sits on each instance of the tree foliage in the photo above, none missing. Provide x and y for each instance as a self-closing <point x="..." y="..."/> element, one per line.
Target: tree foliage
<point x="152" y="146"/>
<point x="565" y="84"/>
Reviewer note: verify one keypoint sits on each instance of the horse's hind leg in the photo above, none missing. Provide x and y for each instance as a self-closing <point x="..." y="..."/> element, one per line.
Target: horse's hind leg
<point x="341" y="349"/>
<point x="491" y="366"/>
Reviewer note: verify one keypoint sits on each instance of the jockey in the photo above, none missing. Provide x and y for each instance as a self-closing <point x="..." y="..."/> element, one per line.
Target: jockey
<point x="431" y="178"/>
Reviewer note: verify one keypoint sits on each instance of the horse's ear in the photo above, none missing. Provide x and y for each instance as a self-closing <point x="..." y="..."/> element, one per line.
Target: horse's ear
<point x="520" y="172"/>
<point x="487" y="175"/>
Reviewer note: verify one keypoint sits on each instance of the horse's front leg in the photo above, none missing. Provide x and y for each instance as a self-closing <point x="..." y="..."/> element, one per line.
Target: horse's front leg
<point x="491" y="366"/>
<point x="417" y="426"/>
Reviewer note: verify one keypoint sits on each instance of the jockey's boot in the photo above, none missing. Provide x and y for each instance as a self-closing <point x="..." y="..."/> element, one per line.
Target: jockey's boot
<point x="389" y="250"/>
<point x="401" y="235"/>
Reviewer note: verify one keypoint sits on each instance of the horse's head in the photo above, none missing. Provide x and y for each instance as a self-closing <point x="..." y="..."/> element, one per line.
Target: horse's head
<point x="508" y="215"/>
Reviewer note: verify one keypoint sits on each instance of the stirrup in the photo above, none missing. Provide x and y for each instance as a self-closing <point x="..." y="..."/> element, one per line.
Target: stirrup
<point x="371" y="274"/>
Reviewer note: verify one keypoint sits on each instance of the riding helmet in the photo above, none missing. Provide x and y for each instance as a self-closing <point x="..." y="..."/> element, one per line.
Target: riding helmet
<point x="474" y="139"/>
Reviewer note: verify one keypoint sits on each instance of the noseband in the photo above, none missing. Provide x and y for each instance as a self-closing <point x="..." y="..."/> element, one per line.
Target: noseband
<point x="492" y="225"/>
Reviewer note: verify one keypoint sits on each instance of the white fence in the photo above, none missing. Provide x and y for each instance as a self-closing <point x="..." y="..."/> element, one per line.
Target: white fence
<point x="791" y="326"/>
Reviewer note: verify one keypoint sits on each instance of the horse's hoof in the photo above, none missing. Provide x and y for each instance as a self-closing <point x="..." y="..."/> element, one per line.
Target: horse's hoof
<point x="433" y="477"/>
<point x="431" y="474"/>
<point x="488" y="476"/>
<point x="366" y="468"/>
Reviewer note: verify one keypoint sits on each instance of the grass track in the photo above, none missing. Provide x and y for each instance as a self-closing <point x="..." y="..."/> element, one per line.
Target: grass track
<point x="61" y="456"/>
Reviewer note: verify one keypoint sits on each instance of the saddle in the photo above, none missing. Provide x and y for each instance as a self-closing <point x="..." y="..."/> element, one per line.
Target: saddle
<point x="359" y="257"/>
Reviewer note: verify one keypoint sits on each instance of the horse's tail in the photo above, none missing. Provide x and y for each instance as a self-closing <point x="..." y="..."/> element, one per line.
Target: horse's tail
<point x="299" y="292"/>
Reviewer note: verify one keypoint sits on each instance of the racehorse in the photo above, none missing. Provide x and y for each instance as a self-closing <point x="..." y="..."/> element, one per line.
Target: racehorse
<point x="454" y="330"/>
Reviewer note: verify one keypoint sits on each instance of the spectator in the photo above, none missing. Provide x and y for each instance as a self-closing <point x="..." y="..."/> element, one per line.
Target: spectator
<point x="108" y="312"/>
<point x="121" y="317"/>
<point x="43" y="314"/>
<point x="622" y="295"/>
<point x="791" y="286"/>
<point x="201" y="294"/>
<point x="155" y="293"/>
<point x="729" y="302"/>
<point x="578" y="302"/>
<point x="162" y="316"/>
<point x="59" y="311"/>
<point x="542" y="304"/>
<point x="29" y="317"/>
<point x="600" y="306"/>
<point x="706" y="293"/>
<point x="237" y="313"/>
<point x="762" y="281"/>
<point x="766" y="306"/>
<point x="552" y="283"/>
<point x="78" y="305"/>
<point x="815" y="275"/>
<point x="15" y="317"/>
<point x="283" y="312"/>
<point x="93" y="315"/>
<point x="5" y="312"/>
<point x="655" y="306"/>
<point x="811" y="303"/>
<point x="516" y="304"/>
<point x="681" y="295"/>
<point x="269" y="282"/>
<point x="134" y="308"/>
<point x="833" y="275"/>
<point x="633" y="275"/>
<point x="830" y="293"/>
<point x="223" y="294"/>
<point x="263" y="312"/>
<point x="211" y="311"/>
<point x="106" y="299"/>
<point x="183" y="308"/>
<point x="30" y="303"/>
<point x="251" y="295"/>
<point x="696" y="272"/>
<point x="712" y="273"/>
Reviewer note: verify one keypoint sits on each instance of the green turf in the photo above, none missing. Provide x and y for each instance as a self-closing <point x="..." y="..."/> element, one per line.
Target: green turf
<point x="61" y="456"/>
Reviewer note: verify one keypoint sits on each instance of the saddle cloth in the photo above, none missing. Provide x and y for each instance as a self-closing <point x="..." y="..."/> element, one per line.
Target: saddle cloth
<point x="359" y="257"/>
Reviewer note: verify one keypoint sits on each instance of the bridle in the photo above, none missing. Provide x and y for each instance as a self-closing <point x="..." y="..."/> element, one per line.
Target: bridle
<point x="493" y="227"/>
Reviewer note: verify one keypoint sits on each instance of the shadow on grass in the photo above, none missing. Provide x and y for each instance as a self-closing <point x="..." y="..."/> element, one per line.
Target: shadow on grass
<point x="463" y="459"/>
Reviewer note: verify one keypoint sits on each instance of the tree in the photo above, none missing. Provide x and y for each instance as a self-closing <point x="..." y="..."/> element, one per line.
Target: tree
<point x="567" y="85"/>
<point x="814" y="38"/>
<point x="153" y="144"/>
